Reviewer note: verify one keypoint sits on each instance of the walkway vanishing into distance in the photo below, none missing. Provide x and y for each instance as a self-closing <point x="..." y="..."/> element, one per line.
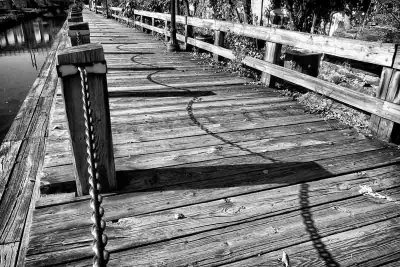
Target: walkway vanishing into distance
<point x="212" y="171"/>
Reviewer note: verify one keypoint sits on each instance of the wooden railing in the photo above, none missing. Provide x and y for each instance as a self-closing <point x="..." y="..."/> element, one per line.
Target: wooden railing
<point x="385" y="108"/>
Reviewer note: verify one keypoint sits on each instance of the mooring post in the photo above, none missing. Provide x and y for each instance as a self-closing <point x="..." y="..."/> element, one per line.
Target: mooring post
<point x="272" y="55"/>
<point x="173" y="44"/>
<point x="76" y="14"/>
<point x="75" y="19"/>
<point x="79" y="33"/>
<point x="83" y="69"/>
<point x="388" y="90"/>
<point x="219" y="39"/>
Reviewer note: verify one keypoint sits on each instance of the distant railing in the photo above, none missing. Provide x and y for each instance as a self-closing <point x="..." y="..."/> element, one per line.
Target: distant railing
<point x="385" y="108"/>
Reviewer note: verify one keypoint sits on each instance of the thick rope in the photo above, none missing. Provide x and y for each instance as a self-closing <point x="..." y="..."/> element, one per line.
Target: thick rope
<point x="78" y="38"/>
<point x="101" y="256"/>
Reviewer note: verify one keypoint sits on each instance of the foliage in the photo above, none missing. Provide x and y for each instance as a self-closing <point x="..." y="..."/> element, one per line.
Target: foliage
<point x="307" y="14"/>
<point x="161" y="6"/>
<point x="387" y="13"/>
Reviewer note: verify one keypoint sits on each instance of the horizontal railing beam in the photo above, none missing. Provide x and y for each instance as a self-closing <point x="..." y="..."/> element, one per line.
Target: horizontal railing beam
<point x="372" y="52"/>
<point x="384" y="54"/>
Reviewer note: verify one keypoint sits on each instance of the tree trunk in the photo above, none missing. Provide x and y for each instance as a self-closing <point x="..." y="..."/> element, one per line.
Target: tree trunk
<point x="247" y="11"/>
<point x="313" y="23"/>
<point x="187" y="9"/>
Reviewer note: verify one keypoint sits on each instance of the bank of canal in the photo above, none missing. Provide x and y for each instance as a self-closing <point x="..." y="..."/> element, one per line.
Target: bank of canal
<point x="23" y="50"/>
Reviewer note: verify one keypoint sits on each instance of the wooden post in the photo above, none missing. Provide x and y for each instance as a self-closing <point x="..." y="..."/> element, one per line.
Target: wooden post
<point x="75" y="14"/>
<point x="272" y="54"/>
<point x="141" y="23"/>
<point x="173" y="44"/>
<point x="166" y="30"/>
<point x="75" y="19"/>
<point x="107" y="15"/>
<point x="79" y="31"/>
<point x="152" y="24"/>
<point x="219" y="37"/>
<point x="90" y="56"/>
<point x="388" y="90"/>
<point x="188" y="34"/>
<point x="133" y="21"/>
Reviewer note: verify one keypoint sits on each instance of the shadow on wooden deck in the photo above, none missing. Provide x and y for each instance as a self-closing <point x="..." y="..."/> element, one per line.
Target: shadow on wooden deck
<point x="279" y="174"/>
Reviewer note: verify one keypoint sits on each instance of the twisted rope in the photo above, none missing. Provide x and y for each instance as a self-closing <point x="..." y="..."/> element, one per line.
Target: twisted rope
<point x="78" y="39"/>
<point x="101" y="256"/>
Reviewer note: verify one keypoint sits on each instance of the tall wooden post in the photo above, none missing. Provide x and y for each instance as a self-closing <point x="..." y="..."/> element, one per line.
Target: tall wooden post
<point x="152" y="24"/>
<point x="74" y="14"/>
<point x="272" y="54"/>
<point x="166" y="30"/>
<point x="219" y="37"/>
<point x="173" y="44"/>
<point x="75" y="19"/>
<point x="107" y="14"/>
<point x="79" y="33"/>
<point x="90" y="57"/>
<point x="188" y="34"/>
<point x="388" y="90"/>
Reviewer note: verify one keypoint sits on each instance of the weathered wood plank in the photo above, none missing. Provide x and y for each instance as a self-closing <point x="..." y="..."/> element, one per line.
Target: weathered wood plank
<point x="372" y="52"/>
<point x="8" y="153"/>
<point x="201" y="183"/>
<point x="179" y="175"/>
<point x="100" y="116"/>
<point x="345" y="249"/>
<point x="27" y="133"/>
<point x="8" y="254"/>
<point x="168" y="152"/>
<point x="359" y="211"/>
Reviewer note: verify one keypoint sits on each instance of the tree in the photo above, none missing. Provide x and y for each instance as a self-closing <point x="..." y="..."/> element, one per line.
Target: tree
<point x="307" y="14"/>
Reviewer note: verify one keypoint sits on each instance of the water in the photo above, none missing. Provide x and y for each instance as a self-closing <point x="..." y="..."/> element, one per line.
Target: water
<point x="23" y="50"/>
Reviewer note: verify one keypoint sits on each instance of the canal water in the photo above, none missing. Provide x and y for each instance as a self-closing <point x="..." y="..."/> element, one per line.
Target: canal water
<point x="23" y="50"/>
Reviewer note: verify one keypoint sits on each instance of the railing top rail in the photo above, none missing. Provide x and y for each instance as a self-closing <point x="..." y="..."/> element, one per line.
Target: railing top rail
<point x="378" y="53"/>
<point x="118" y="9"/>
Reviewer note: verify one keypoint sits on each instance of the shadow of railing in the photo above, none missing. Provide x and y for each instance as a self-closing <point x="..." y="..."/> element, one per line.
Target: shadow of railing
<point x="258" y="172"/>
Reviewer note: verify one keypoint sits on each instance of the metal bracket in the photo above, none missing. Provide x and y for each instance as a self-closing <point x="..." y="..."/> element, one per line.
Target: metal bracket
<point x="72" y="33"/>
<point x="72" y="69"/>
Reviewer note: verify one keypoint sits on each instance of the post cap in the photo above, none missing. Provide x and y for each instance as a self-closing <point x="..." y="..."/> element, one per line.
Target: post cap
<point x="79" y="26"/>
<point x="81" y="54"/>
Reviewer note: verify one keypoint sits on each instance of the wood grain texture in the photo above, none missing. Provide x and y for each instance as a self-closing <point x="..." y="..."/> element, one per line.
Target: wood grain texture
<point x="342" y="94"/>
<point x="272" y="55"/>
<point x="372" y="52"/>
<point x="220" y="174"/>
<point x="388" y="90"/>
<point x="23" y="152"/>
<point x="8" y="254"/>
<point x="100" y="112"/>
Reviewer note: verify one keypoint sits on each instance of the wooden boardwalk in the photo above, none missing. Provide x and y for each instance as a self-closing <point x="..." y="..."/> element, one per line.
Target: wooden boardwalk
<point x="215" y="172"/>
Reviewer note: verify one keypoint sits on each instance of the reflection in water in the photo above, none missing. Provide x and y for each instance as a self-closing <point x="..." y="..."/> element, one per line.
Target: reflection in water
<point x="23" y="50"/>
<point x="31" y="35"/>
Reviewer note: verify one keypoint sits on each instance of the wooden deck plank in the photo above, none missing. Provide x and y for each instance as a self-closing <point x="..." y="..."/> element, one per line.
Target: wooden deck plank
<point x="21" y="157"/>
<point x="165" y="152"/>
<point x="8" y="254"/>
<point x="348" y="248"/>
<point x="247" y="168"/>
<point x="199" y="184"/>
<point x="249" y="236"/>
